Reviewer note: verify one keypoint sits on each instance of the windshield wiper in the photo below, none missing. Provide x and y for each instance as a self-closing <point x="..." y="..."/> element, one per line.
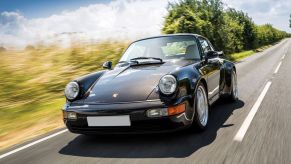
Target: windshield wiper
<point x="136" y="62"/>
<point x="144" y="58"/>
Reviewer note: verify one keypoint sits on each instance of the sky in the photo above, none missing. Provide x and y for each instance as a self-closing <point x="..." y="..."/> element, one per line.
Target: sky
<point x="275" y="12"/>
<point x="44" y="8"/>
<point x="24" y="22"/>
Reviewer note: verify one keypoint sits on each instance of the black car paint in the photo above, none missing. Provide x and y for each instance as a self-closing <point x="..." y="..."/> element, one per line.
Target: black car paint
<point x="87" y="81"/>
<point x="137" y="92"/>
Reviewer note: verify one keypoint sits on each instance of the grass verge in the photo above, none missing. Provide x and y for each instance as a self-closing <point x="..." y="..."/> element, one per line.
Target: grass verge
<point x="28" y="121"/>
<point x="241" y="55"/>
<point x="32" y="85"/>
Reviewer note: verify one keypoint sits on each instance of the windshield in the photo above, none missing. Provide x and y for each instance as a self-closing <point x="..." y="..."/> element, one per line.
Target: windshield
<point x="167" y="47"/>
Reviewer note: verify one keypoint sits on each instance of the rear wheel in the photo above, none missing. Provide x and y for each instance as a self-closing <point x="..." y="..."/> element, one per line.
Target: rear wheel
<point x="201" y="108"/>
<point x="234" y="89"/>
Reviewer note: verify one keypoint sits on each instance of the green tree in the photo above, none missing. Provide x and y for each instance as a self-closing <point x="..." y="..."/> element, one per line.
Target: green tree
<point x="233" y="35"/>
<point x="267" y="34"/>
<point x="228" y="30"/>
<point x="248" y="34"/>
<point x="203" y="17"/>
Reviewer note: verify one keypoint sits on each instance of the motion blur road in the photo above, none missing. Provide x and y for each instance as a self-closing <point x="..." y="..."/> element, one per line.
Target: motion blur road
<point x="267" y="138"/>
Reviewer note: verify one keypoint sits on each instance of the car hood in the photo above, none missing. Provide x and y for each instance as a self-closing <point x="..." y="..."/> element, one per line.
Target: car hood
<point x="129" y="83"/>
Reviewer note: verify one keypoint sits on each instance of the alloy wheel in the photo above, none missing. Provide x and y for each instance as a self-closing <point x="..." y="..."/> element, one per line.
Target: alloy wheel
<point x="202" y="106"/>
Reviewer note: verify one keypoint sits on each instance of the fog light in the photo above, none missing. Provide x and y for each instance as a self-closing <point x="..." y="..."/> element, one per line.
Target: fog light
<point x="72" y="115"/>
<point x="157" y="112"/>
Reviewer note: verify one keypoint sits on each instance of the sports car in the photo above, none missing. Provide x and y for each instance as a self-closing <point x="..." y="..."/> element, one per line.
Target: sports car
<point x="160" y="84"/>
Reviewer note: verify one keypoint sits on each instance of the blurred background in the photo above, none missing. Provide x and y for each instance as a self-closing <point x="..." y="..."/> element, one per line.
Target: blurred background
<point x="46" y="44"/>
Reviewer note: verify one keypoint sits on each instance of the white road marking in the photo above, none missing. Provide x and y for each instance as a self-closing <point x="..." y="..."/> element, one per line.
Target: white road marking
<point x="210" y="93"/>
<point x="244" y="127"/>
<point x="283" y="56"/>
<point x="277" y="68"/>
<point x="31" y="144"/>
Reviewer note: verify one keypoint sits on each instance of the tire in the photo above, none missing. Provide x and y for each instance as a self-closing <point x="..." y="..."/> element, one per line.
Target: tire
<point x="234" y="88"/>
<point x="201" y="107"/>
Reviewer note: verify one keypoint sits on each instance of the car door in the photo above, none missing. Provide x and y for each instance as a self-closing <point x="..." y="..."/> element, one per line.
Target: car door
<point x="211" y="68"/>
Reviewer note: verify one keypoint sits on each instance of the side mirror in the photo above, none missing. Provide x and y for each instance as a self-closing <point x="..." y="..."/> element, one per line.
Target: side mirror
<point x="210" y="55"/>
<point x="220" y="53"/>
<point x="107" y="65"/>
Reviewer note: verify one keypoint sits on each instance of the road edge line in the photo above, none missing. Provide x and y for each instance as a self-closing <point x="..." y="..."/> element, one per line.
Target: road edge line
<point x="33" y="143"/>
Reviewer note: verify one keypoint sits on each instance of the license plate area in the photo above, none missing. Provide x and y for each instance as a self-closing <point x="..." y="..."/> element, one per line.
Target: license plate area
<point x="96" y="121"/>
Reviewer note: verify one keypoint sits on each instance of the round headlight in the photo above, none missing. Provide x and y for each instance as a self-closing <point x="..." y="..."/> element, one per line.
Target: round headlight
<point x="168" y="84"/>
<point x="72" y="90"/>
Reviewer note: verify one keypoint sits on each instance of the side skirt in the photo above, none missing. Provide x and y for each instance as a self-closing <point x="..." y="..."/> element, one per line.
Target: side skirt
<point x="213" y="99"/>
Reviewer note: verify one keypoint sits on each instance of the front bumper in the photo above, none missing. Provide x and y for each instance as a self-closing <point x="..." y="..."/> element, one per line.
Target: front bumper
<point x="140" y="123"/>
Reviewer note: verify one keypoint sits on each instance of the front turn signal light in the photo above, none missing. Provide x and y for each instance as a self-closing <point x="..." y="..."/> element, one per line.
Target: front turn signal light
<point x="177" y="109"/>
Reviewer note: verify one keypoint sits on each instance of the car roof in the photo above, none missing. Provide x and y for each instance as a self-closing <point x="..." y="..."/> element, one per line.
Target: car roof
<point x="177" y="34"/>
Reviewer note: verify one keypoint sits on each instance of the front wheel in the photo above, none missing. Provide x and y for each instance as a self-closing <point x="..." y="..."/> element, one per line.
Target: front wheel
<point x="201" y="108"/>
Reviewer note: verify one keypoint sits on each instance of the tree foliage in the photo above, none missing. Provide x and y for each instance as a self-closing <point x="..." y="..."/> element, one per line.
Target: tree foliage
<point x="267" y="34"/>
<point x="228" y="29"/>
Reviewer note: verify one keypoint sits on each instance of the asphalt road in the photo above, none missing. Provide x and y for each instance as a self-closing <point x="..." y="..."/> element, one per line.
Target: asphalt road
<point x="267" y="138"/>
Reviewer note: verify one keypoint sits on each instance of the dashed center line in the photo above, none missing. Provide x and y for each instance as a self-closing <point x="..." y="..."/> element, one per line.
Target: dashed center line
<point x="243" y="129"/>
<point x="277" y="68"/>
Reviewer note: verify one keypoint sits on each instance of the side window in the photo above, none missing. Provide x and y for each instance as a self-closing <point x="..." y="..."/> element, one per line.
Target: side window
<point x="211" y="46"/>
<point x="205" y="45"/>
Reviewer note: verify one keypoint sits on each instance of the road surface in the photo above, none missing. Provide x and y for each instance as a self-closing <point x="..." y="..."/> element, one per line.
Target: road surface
<point x="256" y="129"/>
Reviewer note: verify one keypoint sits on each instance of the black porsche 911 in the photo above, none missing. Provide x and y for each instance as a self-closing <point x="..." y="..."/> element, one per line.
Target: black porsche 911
<point x="160" y="84"/>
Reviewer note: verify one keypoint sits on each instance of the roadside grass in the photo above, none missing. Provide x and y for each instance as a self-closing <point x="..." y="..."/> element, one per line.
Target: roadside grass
<point x="27" y="121"/>
<point x="32" y="84"/>
<point x="241" y="55"/>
